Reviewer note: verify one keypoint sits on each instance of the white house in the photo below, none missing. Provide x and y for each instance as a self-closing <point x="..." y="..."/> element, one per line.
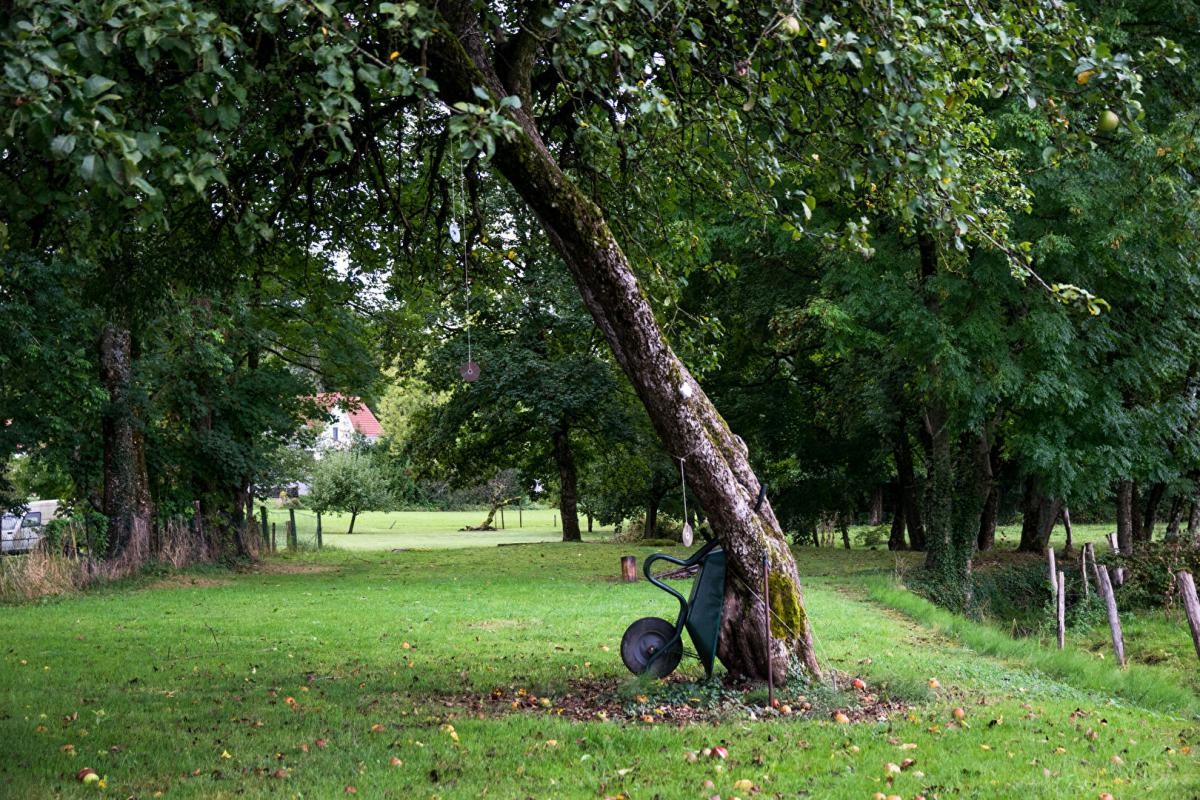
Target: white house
<point x="350" y="417"/>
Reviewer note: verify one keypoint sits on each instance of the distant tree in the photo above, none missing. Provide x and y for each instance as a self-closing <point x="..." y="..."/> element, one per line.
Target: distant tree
<point x="500" y="490"/>
<point x="348" y="482"/>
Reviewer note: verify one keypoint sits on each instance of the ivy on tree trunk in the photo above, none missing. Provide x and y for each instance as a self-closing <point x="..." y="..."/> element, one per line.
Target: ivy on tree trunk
<point x="126" y="483"/>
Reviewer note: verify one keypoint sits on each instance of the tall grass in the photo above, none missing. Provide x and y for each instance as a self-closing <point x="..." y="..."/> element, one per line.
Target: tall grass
<point x="1141" y="687"/>
<point x="40" y="573"/>
<point x="61" y="567"/>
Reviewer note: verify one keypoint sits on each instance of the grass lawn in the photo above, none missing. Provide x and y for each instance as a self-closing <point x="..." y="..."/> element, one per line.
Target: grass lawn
<point x="427" y="530"/>
<point x="442" y="673"/>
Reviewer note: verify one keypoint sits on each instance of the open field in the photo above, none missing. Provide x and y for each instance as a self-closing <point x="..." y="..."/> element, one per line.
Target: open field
<point x="419" y="530"/>
<point x="407" y="667"/>
<point x="429" y="530"/>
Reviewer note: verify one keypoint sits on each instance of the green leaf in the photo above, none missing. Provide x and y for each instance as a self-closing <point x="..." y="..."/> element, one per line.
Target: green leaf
<point x="596" y="48"/>
<point x="140" y="183"/>
<point x="97" y="85"/>
<point x="62" y="145"/>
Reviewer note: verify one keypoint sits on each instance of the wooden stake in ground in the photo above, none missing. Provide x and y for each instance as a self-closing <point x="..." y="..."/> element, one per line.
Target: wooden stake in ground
<point x="1114" y="620"/>
<point x="1191" y="606"/>
<point x="1053" y="573"/>
<point x="1112" y="542"/>
<point x="767" y="628"/>
<point x="628" y="569"/>
<point x="1062" y="610"/>
<point x="1091" y="553"/>
<point x="1083" y="559"/>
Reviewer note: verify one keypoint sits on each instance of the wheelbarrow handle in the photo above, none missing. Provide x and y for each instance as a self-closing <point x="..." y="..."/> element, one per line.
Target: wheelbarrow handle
<point x="691" y="561"/>
<point x="683" y="605"/>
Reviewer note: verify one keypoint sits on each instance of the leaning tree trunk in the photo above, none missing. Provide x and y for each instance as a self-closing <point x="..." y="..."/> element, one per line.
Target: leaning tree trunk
<point x="126" y="500"/>
<point x="684" y="418"/>
<point x="567" y="484"/>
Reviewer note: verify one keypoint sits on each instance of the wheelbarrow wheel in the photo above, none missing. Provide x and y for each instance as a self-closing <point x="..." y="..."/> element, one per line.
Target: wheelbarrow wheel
<point x="642" y="647"/>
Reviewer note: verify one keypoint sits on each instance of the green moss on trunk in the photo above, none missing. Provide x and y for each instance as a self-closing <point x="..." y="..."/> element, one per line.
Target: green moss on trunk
<point x="788" y="617"/>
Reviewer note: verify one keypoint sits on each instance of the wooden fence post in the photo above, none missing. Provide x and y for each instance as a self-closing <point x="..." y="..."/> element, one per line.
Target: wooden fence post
<point x="266" y="531"/>
<point x="273" y="541"/>
<point x="1062" y="610"/>
<point x="1114" y="619"/>
<point x="1083" y="558"/>
<point x="292" y="544"/>
<point x="1112" y="543"/>
<point x="1095" y="567"/>
<point x="628" y="569"/>
<point x="1053" y="574"/>
<point x="1191" y="606"/>
<point x="318" y="530"/>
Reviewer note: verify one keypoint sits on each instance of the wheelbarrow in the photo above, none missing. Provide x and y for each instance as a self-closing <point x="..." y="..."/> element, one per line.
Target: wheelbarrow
<point x="655" y="646"/>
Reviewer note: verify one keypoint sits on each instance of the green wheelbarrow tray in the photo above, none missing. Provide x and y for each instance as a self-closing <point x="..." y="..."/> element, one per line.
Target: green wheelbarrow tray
<point x="654" y="645"/>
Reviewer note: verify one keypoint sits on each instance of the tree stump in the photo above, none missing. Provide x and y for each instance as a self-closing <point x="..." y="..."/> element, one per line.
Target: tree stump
<point x="629" y="569"/>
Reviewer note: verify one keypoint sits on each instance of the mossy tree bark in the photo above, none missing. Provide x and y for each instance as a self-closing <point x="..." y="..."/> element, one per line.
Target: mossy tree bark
<point x="688" y="424"/>
<point x="126" y="483"/>
<point x="957" y="467"/>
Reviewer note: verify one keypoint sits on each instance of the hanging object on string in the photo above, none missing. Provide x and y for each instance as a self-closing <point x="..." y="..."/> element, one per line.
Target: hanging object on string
<point x="687" y="537"/>
<point x="469" y="370"/>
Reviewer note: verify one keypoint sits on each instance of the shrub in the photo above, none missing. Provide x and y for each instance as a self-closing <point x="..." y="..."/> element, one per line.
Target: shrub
<point x="874" y="536"/>
<point x="1150" y="572"/>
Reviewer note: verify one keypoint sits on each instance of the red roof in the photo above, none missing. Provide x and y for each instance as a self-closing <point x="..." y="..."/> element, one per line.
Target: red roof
<point x="364" y="422"/>
<point x="361" y="418"/>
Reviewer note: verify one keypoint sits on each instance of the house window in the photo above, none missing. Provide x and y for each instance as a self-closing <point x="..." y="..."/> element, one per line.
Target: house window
<point x="335" y="433"/>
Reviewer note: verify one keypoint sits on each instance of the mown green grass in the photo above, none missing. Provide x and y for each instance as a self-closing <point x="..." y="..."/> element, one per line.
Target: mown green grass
<point x="178" y="674"/>
<point x="427" y="530"/>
